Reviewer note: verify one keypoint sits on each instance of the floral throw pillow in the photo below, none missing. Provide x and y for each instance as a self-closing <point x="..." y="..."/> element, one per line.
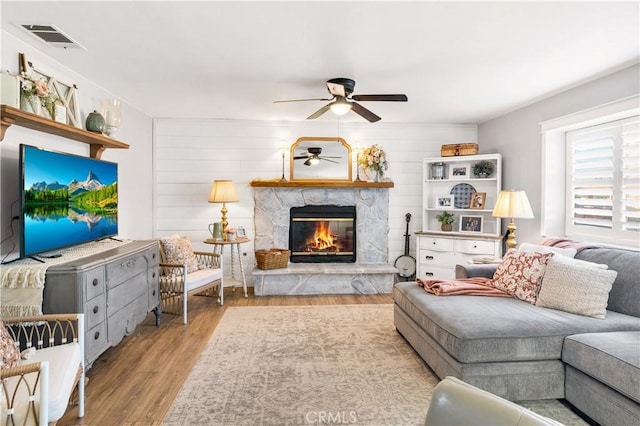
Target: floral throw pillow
<point x="520" y="274"/>
<point x="178" y="250"/>
<point x="9" y="354"/>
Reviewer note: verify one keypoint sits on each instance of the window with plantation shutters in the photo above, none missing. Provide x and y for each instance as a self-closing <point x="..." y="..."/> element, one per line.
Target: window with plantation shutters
<point x="603" y="182"/>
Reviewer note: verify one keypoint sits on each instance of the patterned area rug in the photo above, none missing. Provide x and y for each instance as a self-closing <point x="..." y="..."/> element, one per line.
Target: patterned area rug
<point x="296" y="365"/>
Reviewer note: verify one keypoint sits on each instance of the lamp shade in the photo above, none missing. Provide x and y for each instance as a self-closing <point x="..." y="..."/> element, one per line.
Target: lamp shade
<point x="513" y="204"/>
<point x="223" y="191"/>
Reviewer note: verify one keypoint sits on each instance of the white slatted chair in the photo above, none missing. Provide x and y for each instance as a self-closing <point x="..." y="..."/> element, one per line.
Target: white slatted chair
<point x="38" y="390"/>
<point x="184" y="272"/>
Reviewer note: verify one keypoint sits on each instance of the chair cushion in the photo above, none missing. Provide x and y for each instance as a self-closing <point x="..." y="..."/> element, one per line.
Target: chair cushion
<point x="178" y="250"/>
<point x="64" y="361"/>
<point x="204" y="276"/>
<point x="9" y="353"/>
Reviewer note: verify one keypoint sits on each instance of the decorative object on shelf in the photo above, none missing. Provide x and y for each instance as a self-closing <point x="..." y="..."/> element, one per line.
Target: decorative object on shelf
<point x="459" y="171"/>
<point x="358" y="152"/>
<point x="471" y="224"/>
<point x="445" y="201"/>
<point x="35" y="96"/>
<point x="241" y="232"/>
<point x="462" y="193"/>
<point x="446" y="219"/>
<point x="483" y="169"/>
<point x="478" y="200"/>
<point x="374" y="162"/>
<point x="112" y="110"/>
<point x="60" y="112"/>
<point x="223" y="191"/>
<point x="457" y="149"/>
<point x="325" y="158"/>
<point x="284" y="148"/>
<point x="95" y="122"/>
<point x="216" y="230"/>
<point x="438" y="170"/>
<point x="62" y="90"/>
<point x="231" y="234"/>
<point x="512" y="204"/>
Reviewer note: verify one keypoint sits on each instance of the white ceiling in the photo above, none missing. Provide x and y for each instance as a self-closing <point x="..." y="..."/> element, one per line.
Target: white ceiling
<point x="457" y="62"/>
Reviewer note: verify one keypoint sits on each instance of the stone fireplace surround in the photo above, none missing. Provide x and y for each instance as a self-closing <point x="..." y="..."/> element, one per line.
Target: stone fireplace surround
<point x="371" y="273"/>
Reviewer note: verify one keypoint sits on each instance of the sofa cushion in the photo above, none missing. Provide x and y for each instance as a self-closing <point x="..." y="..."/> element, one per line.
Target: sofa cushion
<point x="611" y="358"/>
<point x="535" y="248"/>
<point x="9" y="353"/>
<point x="202" y="277"/>
<point x="490" y="329"/>
<point x="520" y="274"/>
<point x="625" y="293"/>
<point x="576" y="286"/>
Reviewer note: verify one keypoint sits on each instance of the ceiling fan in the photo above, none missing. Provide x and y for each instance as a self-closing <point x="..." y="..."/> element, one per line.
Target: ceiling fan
<point x="312" y="157"/>
<point x="343" y="101"/>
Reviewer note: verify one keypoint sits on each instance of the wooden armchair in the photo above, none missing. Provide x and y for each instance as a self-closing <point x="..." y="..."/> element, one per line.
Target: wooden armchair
<point x="186" y="274"/>
<point x="38" y="390"/>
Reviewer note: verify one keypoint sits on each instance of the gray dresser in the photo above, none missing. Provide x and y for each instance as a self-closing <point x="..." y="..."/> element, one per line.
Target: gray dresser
<point x="115" y="289"/>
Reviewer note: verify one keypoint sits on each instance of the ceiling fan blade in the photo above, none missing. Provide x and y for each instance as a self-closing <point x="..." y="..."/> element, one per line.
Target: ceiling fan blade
<point x="318" y="113"/>
<point x="301" y="100"/>
<point x="363" y="112"/>
<point x="336" y="89"/>
<point x="329" y="157"/>
<point x="331" y="161"/>
<point x="302" y="157"/>
<point x="388" y="98"/>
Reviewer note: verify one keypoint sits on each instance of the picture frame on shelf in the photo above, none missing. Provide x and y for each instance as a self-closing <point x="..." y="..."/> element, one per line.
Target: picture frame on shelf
<point x="63" y="89"/>
<point x="471" y="223"/>
<point x="241" y="232"/>
<point x="444" y="201"/>
<point x="478" y="200"/>
<point x="459" y="171"/>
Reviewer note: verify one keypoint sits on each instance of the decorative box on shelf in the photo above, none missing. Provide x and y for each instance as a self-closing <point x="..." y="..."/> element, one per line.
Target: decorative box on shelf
<point x="459" y="149"/>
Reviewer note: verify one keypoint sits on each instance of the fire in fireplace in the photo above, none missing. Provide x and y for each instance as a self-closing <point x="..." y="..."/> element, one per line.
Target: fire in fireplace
<point x="323" y="234"/>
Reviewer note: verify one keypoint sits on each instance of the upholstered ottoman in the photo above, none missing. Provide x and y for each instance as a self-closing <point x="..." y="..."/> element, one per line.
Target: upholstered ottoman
<point x="603" y="375"/>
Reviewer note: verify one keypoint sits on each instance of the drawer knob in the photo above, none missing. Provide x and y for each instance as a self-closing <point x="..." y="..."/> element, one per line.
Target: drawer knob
<point x="153" y="256"/>
<point x="153" y="275"/>
<point x="429" y="274"/>
<point x="434" y="243"/>
<point x="153" y="293"/>
<point x="429" y="257"/>
<point x="95" y="309"/>
<point x="95" y="282"/>
<point x="96" y="336"/>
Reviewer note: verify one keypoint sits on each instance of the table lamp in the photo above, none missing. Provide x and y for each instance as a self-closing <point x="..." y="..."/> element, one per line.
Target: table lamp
<point x="512" y="204"/>
<point x="223" y="191"/>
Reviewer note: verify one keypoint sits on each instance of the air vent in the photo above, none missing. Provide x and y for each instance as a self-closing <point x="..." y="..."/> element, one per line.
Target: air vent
<point x="52" y="36"/>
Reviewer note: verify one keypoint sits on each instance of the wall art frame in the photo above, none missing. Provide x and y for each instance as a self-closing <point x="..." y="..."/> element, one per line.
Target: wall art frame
<point x="444" y="201"/>
<point x="65" y="90"/>
<point x="478" y="200"/>
<point x="459" y="171"/>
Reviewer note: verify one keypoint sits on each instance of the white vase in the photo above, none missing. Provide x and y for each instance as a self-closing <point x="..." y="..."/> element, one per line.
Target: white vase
<point x="30" y="104"/>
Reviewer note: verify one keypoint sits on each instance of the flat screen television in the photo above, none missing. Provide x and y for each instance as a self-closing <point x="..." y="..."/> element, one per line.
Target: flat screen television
<point x="65" y="200"/>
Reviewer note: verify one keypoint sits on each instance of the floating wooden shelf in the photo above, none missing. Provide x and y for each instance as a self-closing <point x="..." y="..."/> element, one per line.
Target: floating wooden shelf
<point x="97" y="141"/>
<point x="318" y="184"/>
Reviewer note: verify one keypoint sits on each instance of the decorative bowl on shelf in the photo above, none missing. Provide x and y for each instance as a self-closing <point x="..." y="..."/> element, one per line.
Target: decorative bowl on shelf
<point x="483" y="169"/>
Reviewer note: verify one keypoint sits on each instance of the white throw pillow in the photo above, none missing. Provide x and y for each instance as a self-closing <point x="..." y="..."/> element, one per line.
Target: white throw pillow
<point x="576" y="286"/>
<point x="534" y="248"/>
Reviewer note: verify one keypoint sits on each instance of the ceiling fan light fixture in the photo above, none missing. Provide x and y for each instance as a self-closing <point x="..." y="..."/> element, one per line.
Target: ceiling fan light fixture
<point x="340" y="107"/>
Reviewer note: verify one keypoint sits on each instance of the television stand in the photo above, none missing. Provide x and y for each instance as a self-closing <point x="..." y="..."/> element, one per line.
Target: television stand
<point x="115" y="289"/>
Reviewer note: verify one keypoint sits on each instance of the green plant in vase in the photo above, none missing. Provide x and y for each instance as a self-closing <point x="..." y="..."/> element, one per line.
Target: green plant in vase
<point x="446" y="219"/>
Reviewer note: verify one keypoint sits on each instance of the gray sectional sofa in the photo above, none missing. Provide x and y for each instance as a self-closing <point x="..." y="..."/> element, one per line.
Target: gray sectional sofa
<point x="525" y="352"/>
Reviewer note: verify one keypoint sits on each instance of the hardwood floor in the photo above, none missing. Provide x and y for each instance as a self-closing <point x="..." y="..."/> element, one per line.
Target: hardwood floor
<point x="135" y="382"/>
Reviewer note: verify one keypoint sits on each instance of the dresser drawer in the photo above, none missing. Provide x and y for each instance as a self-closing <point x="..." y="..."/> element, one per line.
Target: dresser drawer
<point x="94" y="283"/>
<point x="475" y="247"/>
<point x="95" y="342"/>
<point x="433" y="257"/>
<point x="436" y="272"/>
<point x="119" y="272"/>
<point x="435" y="243"/>
<point x="95" y="311"/>
<point x="135" y="288"/>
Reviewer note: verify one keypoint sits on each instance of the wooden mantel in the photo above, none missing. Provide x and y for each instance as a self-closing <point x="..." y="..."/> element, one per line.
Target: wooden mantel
<point x="318" y="184"/>
<point x="97" y="142"/>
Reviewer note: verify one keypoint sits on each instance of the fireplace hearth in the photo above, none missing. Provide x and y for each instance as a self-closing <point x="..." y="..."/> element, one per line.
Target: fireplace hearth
<point x="322" y="234"/>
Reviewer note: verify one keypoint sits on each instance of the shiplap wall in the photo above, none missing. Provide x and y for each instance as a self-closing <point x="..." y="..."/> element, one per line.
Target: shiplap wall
<point x="190" y="153"/>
